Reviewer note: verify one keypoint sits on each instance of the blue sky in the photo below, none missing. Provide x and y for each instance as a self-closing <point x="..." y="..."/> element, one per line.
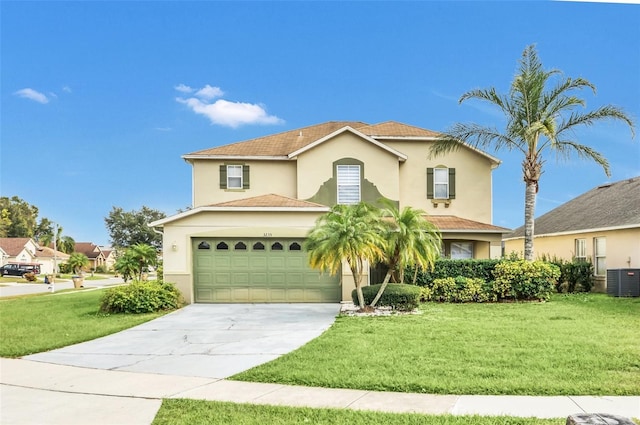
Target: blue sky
<point x="100" y="99"/>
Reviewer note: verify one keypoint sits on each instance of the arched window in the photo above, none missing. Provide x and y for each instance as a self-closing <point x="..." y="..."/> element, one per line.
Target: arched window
<point x="204" y="245"/>
<point x="240" y="246"/>
<point x="277" y="246"/>
<point x="222" y="246"/>
<point x="258" y="246"/>
<point x="295" y="247"/>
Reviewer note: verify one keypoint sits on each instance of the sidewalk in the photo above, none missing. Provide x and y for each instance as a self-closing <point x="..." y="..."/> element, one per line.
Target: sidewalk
<point x="44" y="393"/>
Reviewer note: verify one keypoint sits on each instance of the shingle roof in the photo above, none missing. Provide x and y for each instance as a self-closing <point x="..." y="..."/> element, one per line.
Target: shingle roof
<point x="13" y="246"/>
<point x="280" y="144"/>
<point x="46" y="252"/>
<point x="609" y="205"/>
<point x="270" y="200"/>
<point x="452" y="223"/>
<point x="395" y="129"/>
<point x="89" y="249"/>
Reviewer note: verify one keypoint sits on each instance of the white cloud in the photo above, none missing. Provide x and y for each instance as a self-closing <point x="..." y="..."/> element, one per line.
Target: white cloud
<point x="208" y="92"/>
<point x="66" y="89"/>
<point x="32" y="94"/>
<point x="224" y="112"/>
<point x="183" y="88"/>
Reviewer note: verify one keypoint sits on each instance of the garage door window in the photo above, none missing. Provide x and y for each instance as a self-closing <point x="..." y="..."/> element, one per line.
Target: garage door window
<point x="240" y="247"/>
<point x="204" y="245"/>
<point x="276" y="247"/>
<point x="222" y="246"/>
<point x="295" y="247"/>
<point x="258" y="246"/>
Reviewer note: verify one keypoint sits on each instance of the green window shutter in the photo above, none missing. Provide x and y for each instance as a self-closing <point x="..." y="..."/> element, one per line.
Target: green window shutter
<point x="223" y="176"/>
<point x="245" y="177"/>
<point x="429" y="183"/>
<point x="452" y="183"/>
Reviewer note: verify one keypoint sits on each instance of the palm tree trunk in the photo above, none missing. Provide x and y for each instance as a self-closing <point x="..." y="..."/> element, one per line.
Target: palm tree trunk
<point x="357" y="282"/>
<point x="529" y="214"/>
<point x="385" y="282"/>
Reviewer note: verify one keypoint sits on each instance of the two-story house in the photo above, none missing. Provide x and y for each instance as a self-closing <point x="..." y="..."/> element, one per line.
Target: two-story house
<point x="255" y="201"/>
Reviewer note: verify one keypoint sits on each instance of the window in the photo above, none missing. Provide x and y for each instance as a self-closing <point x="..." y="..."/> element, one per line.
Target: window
<point x="234" y="177"/>
<point x="600" y="255"/>
<point x="581" y="249"/>
<point x="441" y="183"/>
<point x="461" y="250"/>
<point x="258" y="246"/>
<point x="348" y="184"/>
<point x="204" y="245"/>
<point x="240" y="246"/>
<point x="295" y="246"/>
<point x="277" y="247"/>
<point x="222" y="246"/>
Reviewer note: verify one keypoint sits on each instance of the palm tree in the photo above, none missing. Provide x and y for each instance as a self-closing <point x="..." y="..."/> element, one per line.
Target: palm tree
<point x="64" y="244"/>
<point x="411" y="240"/>
<point x="540" y="117"/>
<point x="145" y="256"/>
<point x="350" y="233"/>
<point x="78" y="261"/>
<point x="127" y="265"/>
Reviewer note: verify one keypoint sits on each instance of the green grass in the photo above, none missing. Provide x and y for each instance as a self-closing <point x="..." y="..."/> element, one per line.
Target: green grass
<point x="44" y="322"/>
<point x="573" y="345"/>
<point x="182" y="411"/>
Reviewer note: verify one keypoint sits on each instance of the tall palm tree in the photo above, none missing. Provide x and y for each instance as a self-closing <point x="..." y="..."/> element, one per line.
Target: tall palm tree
<point x="541" y="117"/>
<point x="350" y="233"/>
<point x="78" y="261"/>
<point x="411" y="240"/>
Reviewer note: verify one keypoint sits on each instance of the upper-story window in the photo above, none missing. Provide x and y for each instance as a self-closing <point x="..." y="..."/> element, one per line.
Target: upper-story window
<point x="234" y="176"/>
<point x="441" y="183"/>
<point x="348" y="184"/>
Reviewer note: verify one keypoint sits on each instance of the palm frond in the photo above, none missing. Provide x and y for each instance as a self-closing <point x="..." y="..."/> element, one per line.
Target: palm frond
<point x="607" y="112"/>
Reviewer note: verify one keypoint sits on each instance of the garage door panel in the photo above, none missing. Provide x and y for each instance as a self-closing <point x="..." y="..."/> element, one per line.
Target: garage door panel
<point x="258" y="275"/>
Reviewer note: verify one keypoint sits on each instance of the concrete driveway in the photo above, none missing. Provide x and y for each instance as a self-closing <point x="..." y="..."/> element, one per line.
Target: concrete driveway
<point x="202" y="340"/>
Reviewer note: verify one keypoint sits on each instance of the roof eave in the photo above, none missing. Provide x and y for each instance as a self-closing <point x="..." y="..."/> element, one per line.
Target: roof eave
<point x="238" y="157"/>
<point x="578" y="231"/>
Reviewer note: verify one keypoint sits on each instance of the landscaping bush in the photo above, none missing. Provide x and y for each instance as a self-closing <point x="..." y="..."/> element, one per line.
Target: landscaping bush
<point x="578" y="275"/>
<point x="461" y="290"/>
<point x="525" y="280"/>
<point x="101" y="269"/>
<point x="31" y="277"/>
<point x="443" y="268"/>
<point x="398" y="296"/>
<point x="141" y="297"/>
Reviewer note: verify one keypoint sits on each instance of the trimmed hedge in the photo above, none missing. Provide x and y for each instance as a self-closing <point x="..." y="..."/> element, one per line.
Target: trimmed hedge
<point x="141" y="297"/>
<point x="525" y="280"/>
<point x="460" y="290"/>
<point x="398" y="296"/>
<point x="444" y="268"/>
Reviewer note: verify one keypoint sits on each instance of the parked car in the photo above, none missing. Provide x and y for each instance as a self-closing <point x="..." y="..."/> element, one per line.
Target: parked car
<point x="19" y="269"/>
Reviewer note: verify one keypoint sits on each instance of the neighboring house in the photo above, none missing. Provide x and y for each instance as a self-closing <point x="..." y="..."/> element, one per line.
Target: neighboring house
<point x="255" y="201"/>
<point x="50" y="260"/>
<point x="109" y="257"/>
<point x="93" y="252"/>
<point x="601" y="226"/>
<point x="26" y="250"/>
<point x="19" y="250"/>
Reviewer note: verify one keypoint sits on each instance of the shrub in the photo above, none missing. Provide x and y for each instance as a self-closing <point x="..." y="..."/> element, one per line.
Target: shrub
<point x="31" y="277"/>
<point x="525" y="280"/>
<point x="398" y="296"/>
<point x="101" y="269"/>
<point x="579" y="275"/>
<point x="443" y="268"/>
<point x="460" y="290"/>
<point x="141" y="297"/>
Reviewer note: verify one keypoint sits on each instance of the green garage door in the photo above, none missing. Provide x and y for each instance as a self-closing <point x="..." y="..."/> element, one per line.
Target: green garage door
<point x="245" y="270"/>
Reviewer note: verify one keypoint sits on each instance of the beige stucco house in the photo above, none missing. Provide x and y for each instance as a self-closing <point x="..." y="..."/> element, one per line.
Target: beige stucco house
<point x="26" y="250"/>
<point x="255" y="201"/>
<point x="601" y="226"/>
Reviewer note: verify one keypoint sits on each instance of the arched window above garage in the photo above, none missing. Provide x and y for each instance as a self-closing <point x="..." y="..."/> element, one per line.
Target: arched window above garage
<point x="258" y="246"/>
<point x="295" y="246"/>
<point x="240" y="246"/>
<point x="277" y="246"/>
<point x="204" y="245"/>
<point x="222" y="246"/>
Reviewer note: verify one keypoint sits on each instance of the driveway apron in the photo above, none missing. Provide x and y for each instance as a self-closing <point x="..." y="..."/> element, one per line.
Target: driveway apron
<point x="202" y="340"/>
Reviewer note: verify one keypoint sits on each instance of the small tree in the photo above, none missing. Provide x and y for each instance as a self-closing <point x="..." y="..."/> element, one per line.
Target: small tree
<point x="144" y="255"/>
<point x="410" y="240"/>
<point x="351" y="233"/>
<point x="126" y="265"/>
<point x="77" y="262"/>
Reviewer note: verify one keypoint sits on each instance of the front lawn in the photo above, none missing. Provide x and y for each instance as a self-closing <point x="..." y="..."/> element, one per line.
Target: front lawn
<point x="585" y="344"/>
<point x="182" y="411"/>
<point x="44" y="322"/>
